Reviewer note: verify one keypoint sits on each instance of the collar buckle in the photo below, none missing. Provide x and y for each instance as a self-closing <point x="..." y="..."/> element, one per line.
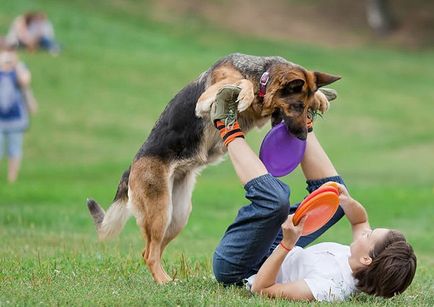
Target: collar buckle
<point x="263" y="83"/>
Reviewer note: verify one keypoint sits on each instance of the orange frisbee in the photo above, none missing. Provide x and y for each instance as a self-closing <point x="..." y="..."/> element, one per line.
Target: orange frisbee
<point x="324" y="188"/>
<point x="318" y="208"/>
<point x="332" y="184"/>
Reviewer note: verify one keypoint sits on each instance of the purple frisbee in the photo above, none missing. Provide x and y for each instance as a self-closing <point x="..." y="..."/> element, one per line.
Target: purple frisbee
<point x="281" y="152"/>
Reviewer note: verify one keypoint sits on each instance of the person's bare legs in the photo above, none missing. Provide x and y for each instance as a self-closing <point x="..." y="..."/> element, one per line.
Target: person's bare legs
<point x="15" y="152"/>
<point x="316" y="164"/>
<point x="246" y="163"/>
<point x="13" y="169"/>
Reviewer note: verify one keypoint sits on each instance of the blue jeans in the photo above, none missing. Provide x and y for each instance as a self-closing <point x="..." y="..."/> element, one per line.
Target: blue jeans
<point x="14" y="142"/>
<point x="49" y="44"/>
<point x="45" y="43"/>
<point x="256" y="231"/>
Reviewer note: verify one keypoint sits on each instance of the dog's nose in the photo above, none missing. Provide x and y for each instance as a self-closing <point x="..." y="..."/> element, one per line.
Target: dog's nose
<point x="299" y="132"/>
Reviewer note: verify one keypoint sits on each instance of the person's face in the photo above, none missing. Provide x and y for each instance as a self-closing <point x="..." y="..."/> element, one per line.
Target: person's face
<point x="361" y="247"/>
<point x="8" y="59"/>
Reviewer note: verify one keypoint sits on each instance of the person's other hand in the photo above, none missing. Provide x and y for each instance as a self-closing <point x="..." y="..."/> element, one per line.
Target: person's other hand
<point x="291" y="233"/>
<point x="344" y="196"/>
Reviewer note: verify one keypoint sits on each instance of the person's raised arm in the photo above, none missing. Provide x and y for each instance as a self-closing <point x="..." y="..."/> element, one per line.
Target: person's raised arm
<point x="354" y="211"/>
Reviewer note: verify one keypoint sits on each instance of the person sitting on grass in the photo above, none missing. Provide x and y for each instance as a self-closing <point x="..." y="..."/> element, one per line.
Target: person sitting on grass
<point x="263" y="249"/>
<point x="33" y="30"/>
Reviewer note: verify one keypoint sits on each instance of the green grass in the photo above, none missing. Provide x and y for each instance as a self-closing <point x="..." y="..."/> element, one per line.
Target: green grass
<point x="98" y="102"/>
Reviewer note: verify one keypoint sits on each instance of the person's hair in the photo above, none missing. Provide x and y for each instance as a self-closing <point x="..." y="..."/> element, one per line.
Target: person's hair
<point x="29" y="17"/>
<point x="392" y="268"/>
<point x="4" y="46"/>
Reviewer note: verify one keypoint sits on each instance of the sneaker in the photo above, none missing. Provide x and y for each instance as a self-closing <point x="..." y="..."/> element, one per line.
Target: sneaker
<point x="225" y="105"/>
<point x="331" y="94"/>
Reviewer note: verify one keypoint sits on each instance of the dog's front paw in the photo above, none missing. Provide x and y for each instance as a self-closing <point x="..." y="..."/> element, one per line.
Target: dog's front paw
<point x="203" y="107"/>
<point x="321" y="103"/>
<point x="245" y="99"/>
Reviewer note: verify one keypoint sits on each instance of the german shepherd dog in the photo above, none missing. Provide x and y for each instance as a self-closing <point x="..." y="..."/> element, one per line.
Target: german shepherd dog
<point x="158" y="185"/>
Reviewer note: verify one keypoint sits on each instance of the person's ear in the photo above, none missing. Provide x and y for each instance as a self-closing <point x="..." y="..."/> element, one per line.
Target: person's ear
<point x="365" y="260"/>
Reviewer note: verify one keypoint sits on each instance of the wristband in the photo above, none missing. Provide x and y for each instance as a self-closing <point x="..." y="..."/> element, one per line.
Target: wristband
<point x="229" y="134"/>
<point x="284" y="247"/>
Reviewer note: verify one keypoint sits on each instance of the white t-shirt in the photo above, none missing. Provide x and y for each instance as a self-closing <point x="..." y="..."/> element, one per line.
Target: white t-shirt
<point x="324" y="267"/>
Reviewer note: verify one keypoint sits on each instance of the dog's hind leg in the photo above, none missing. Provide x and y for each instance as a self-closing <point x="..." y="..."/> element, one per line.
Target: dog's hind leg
<point x="182" y="189"/>
<point x="150" y="201"/>
<point x="154" y="232"/>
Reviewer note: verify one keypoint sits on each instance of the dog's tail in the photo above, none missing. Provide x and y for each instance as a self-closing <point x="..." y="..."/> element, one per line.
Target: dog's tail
<point x="109" y="224"/>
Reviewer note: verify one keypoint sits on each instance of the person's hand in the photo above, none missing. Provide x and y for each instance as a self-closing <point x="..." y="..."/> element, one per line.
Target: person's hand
<point x="292" y="233"/>
<point x="344" y="196"/>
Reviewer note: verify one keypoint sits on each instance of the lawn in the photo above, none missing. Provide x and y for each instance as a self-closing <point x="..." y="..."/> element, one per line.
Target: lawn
<point x="99" y="100"/>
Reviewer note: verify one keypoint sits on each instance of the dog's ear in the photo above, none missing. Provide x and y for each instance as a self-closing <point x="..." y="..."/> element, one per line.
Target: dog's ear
<point x="322" y="79"/>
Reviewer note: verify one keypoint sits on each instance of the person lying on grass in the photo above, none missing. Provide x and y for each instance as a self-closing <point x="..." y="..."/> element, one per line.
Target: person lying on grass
<point x="264" y="250"/>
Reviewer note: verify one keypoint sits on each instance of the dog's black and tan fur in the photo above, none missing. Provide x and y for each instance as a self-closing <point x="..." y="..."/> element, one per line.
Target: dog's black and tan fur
<point x="157" y="187"/>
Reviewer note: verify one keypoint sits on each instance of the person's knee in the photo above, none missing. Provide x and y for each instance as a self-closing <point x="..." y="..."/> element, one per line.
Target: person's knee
<point x="225" y="272"/>
<point x="282" y="202"/>
<point x="225" y="279"/>
<point x="312" y="185"/>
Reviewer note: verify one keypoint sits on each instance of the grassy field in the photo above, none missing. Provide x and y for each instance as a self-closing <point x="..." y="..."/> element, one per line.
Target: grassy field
<point x="100" y="99"/>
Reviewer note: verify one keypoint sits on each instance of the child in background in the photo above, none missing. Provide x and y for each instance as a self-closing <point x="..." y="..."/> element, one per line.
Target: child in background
<point x="16" y="100"/>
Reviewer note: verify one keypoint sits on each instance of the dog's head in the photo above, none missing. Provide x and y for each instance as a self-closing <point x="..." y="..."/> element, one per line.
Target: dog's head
<point x="290" y="96"/>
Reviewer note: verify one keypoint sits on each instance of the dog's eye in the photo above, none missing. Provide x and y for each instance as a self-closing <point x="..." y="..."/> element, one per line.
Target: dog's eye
<point x="289" y="90"/>
<point x="286" y="91"/>
<point x="297" y="88"/>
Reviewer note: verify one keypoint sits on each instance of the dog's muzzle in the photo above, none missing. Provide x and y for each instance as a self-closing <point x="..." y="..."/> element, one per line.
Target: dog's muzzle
<point x="299" y="131"/>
